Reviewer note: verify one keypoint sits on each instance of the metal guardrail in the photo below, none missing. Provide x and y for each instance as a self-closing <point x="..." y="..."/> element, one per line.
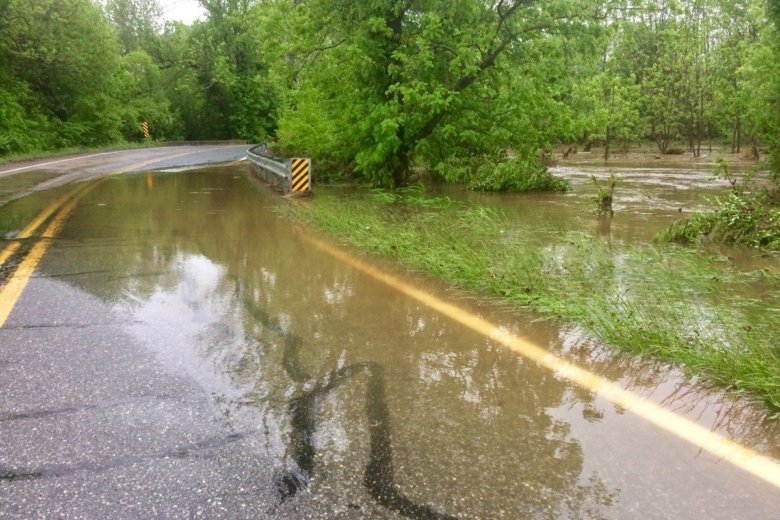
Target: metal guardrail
<point x="279" y="172"/>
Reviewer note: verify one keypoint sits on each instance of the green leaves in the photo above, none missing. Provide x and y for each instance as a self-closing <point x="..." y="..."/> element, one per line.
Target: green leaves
<point x="390" y="90"/>
<point x="418" y="82"/>
<point x="58" y="67"/>
<point x="523" y="173"/>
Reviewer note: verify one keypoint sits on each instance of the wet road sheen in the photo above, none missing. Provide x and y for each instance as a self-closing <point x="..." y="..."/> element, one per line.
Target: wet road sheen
<point x="183" y="350"/>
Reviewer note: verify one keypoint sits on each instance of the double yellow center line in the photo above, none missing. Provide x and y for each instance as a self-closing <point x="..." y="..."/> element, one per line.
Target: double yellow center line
<point x="63" y="206"/>
<point x="11" y="292"/>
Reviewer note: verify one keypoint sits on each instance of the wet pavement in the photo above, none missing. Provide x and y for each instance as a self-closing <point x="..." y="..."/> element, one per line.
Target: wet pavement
<point x="183" y="351"/>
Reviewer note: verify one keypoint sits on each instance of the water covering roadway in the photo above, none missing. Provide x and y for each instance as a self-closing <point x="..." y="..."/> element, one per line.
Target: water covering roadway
<point x="184" y="350"/>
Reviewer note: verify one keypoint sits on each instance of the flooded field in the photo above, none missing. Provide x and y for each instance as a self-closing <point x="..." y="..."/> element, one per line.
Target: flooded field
<point x="646" y="200"/>
<point x="369" y="404"/>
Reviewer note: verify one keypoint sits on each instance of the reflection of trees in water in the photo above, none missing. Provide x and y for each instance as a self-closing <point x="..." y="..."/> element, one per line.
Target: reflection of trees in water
<point x="536" y="466"/>
<point x="551" y="485"/>
<point x="737" y="419"/>
<point x="500" y="402"/>
<point x="379" y="476"/>
<point x="470" y="424"/>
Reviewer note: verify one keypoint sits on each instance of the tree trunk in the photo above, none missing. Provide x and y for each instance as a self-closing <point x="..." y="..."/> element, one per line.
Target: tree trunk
<point x="691" y="138"/>
<point x="739" y="134"/>
<point x="754" y="150"/>
<point x="658" y="138"/>
<point x="700" y="124"/>
<point x="400" y="172"/>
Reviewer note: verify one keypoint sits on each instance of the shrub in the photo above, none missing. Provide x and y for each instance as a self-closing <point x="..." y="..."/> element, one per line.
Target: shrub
<point x="740" y="219"/>
<point x="522" y="173"/>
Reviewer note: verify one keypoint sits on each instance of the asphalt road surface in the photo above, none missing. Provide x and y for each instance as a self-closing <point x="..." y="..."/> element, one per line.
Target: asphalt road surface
<point x="91" y="424"/>
<point x="172" y="346"/>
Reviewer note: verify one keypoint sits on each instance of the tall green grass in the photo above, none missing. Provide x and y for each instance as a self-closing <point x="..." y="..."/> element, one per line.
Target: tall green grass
<point x="670" y="303"/>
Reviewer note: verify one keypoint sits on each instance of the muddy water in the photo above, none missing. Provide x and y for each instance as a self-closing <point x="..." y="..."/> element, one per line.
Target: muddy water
<point x="12" y="185"/>
<point x="371" y="405"/>
<point x="646" y="200"/>
<point x="16" y="210"/>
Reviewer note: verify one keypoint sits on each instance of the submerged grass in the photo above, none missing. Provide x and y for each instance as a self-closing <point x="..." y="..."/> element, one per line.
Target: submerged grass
<point x="673" y="304"/>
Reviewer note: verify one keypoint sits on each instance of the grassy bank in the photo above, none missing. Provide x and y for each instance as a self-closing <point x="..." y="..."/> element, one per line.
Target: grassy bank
<point x="673" y="304"/>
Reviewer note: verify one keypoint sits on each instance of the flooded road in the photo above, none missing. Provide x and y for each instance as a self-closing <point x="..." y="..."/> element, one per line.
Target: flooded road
<point x="340" y="396"/>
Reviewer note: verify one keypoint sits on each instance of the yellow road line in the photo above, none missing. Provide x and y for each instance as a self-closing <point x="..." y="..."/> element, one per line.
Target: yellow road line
<point x="39" y="219"/>
<point x="745" y="458"/>
<point x="12" y="291"/>
<point x="45" y="214"/>
<point x="35" y="223"/>
<point x="8" y="252"/>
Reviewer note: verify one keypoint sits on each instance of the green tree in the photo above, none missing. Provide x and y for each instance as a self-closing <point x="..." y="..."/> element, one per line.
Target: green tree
<point x="58" y="67"/>
<point x="739" y="25"/>
<point x="606" y="99"/>
<point x="414" y="77"/>
<point x="770" y="94"/>
<point x="137" y="23"/>
<point x="226" y="75"/>
<point x="145" y="98"/>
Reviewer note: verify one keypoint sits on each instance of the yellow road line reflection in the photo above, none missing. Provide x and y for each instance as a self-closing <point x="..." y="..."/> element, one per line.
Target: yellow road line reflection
<point x="745" y="458"/>
<point x="35" y="223"/>
<point x="12" y="291"/>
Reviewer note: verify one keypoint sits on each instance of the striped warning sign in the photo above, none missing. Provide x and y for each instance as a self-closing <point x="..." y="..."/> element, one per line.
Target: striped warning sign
<point x="301" y="174"/>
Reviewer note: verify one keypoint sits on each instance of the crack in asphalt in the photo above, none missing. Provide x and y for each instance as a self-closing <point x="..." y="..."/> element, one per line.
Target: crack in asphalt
<point x="41" y="414"/>
<point x="61" y="470"/>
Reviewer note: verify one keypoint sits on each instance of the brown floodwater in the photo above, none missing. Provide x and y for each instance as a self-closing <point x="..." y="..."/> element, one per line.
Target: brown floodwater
<point x="370" y="404"/>
<point x="646" y="200"/>
<point x="14" y="186"/>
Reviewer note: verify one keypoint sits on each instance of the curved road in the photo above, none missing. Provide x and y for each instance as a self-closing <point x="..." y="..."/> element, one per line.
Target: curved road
<point x="20" y="179"/>
<point x="170" y="347"/>
<point x="91" y="424"/>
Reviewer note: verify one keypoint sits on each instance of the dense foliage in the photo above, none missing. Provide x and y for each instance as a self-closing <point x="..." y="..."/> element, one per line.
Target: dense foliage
<point x="388" y="90"/>
<point x="79" y="72"/>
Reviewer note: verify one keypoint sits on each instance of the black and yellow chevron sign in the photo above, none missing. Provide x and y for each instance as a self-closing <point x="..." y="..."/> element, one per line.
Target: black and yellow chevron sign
<point x="301" y="174"/>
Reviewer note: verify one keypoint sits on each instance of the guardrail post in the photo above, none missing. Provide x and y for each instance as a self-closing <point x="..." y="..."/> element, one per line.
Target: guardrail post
<point x="292" y="175"/>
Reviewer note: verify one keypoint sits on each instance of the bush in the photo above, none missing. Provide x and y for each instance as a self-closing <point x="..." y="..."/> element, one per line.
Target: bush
<point x="740" y="219"/>
<point x="523" y="173"/>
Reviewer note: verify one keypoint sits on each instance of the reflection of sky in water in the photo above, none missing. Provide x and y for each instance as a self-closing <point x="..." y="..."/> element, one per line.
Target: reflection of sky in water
<point x="175" y="321"/>
<point x="197" y="326"/>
